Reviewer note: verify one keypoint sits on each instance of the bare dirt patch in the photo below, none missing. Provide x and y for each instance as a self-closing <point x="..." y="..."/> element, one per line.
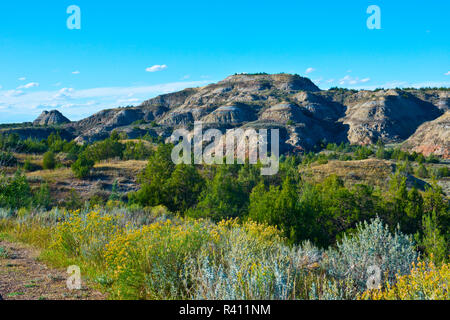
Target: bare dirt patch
<point x="24" y="277"/>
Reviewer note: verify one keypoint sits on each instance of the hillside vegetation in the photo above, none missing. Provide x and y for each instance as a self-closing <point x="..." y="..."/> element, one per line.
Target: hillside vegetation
<point x="141" y="227"/>
<point x="358" y="210"/>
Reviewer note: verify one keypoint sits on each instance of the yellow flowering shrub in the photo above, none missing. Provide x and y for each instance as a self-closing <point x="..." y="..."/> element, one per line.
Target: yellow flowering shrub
<point x="261" y="234"/>
<point x="147" y="263"/>
<point x="425" y="282"/>
<point x="85" y="235"/>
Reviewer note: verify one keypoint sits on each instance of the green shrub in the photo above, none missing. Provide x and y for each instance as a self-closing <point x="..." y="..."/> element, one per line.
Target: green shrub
<point x="442" y="172"/>
<point x="82" y="167"/>
<point x="422" y="171"/>
<point x="15" y="191"/>
<point x="363" y="152"/>
<point x="42" y="197"/>
<point x="49" y="161"/>
<point x="27" y="166"/>
<point x="7" y="159"/>
<point x="107" y="149"/>
<point x="136" y="151"/>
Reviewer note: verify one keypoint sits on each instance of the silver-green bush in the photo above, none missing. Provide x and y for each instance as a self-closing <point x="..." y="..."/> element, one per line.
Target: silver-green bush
<point x="372" y="247"/>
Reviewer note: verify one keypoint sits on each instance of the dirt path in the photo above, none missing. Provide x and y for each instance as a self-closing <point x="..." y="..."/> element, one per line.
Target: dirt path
<point x="23" y="277"/>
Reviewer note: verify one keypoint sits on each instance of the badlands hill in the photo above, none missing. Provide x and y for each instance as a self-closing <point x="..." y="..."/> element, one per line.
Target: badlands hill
<point x="304" y="114"/>
<point x="48" y="118"/>
<point x="432" y="137"/>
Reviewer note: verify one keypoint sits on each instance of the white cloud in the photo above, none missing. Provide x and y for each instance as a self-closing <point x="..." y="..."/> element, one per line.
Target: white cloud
<point x="309" y="70"/>
<point x="29" y="85"/>
<point x="156" y="68"/>
<point x="348" y="80"/>
<point x="22" y="79"/>
<point x="447" y="74"/>
<point x="64" y="93"/>
<point x="76" y="72"/>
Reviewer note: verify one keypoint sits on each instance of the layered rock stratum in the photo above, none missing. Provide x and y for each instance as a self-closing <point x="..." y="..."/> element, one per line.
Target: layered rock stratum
<point x="305" y="115"/>
<point x="432" y="137"/>
<point x="48" y="118"/>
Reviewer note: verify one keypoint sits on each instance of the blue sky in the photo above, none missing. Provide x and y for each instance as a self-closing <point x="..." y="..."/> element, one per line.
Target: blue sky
<point x="107" y="63"/>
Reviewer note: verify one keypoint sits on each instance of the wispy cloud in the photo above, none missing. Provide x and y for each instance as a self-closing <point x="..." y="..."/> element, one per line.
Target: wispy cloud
<point x="29" y="85"/>
<point x="76" y="72"/>
<point x="156" y="68"/>
<point x="309" y="70"/>
<point x="348" y="80"/>
<point x="447" y="73"/>
<point x="77" y="104"/>
<point x="22" y="79"/>
<point x="64" y="93"/>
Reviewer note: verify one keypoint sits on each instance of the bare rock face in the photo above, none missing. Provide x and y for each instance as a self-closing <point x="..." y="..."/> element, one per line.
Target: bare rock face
<point x="304" y="114"/>
<point x="48" y="118"/>
<point x="283" y="113"/>
<point x="432" y="138"/>
<point x="387" y="115"/>
<point x="229" y="115"/>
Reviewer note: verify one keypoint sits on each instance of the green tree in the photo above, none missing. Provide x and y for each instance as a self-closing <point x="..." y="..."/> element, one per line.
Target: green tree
<point x="183" y="188"/>
<point x="222" y="198"/>
<point x="154" y="178"/>
<point x="433" y="242"/>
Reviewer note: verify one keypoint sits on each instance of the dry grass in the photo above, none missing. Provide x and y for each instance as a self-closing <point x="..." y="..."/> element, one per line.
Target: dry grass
<point x="34" y="158"/>
<point x="61" y="181"/>
<point x="130" y="168"/>
<point x="146" y="143"/>
<point x="52" y="175"/>
<point x="371" y="171"/>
